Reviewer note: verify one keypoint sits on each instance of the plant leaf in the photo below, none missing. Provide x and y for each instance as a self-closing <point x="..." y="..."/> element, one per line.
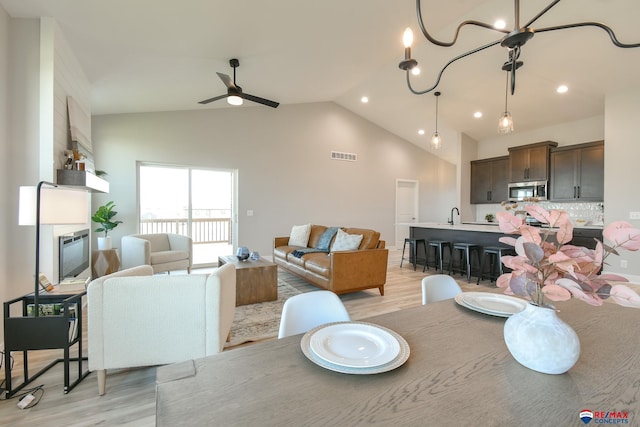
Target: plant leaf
<point x="539" y="213"/>
<point x="565" y="231"/>
<point x="556" y="293"/>
<point x="509" y="223"/>
<point x="623" y="235"/>
<point x="624" y="296"/>
<point x="533" y="252"/>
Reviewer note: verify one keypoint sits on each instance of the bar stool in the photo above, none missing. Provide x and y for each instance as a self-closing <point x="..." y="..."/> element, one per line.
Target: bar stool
<point x="413" y="250"/>
<point x="438" y="255"/>
<point x="495" y="254"/>
<point x="464" y="251"/>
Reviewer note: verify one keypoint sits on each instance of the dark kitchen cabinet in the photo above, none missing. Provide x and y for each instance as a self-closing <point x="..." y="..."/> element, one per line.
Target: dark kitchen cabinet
<point x="489" y="179"/>
<point x="530" y="162"/>
<point x="577" y="173"/>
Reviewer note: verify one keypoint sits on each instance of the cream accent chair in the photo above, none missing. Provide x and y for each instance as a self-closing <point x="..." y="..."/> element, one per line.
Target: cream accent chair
<point x="157" y="320"/>
<point x="163" y="251"/>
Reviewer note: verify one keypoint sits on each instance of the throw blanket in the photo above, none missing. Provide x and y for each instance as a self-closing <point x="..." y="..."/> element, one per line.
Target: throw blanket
<point x="298" y="253"/>
<point x="323" y="243"/>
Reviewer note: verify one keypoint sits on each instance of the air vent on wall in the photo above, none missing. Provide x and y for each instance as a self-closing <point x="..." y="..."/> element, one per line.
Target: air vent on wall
<point x="336" y="155"/>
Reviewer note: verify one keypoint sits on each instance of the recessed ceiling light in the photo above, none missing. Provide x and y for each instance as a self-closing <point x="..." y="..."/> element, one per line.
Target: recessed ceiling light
<point x="562" y="89"/>
<point x="500" y="24"/>
<point x="364" y="99"/>
<point x="477" y="114"/>
<point x="421" y="132"/>
<point x="415" y="71"/>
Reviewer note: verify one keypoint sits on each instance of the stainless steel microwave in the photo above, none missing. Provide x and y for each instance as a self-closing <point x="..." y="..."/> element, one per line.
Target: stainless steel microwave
<point x="520" y="191"/>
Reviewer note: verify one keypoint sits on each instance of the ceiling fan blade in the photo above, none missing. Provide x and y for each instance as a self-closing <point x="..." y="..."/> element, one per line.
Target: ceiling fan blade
<point x="227" y="81"/>
<point x="206" y="101"/>
<point x="259" y="100"/>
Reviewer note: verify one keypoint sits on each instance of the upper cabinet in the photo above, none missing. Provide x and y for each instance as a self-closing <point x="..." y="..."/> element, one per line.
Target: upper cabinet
<point x="489" y="179"/>
<point x="530" y="162"/>
<point x="577" y="173"/>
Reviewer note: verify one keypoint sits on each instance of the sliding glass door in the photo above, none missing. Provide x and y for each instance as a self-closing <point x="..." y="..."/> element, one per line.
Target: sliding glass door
<point x="195" y="202"/>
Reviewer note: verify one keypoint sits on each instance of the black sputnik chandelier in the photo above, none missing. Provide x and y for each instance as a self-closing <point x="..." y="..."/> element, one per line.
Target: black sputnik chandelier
<point x="512" y="40"/>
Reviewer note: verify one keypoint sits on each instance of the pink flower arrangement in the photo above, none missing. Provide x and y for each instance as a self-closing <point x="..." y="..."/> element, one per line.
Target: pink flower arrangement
<point x="547" y="267"/>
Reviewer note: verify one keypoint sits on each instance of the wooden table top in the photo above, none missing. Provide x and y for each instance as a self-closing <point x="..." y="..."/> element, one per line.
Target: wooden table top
<point x="249" y="263"/>
<point x="459" y="373"/>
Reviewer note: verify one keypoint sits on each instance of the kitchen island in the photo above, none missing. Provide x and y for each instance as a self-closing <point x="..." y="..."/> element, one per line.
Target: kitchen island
<point x="485" y="234"/>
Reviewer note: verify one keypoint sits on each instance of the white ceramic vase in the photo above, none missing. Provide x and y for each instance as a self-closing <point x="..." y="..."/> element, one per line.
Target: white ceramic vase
<point x="538" y="339"/>
<point x="104" y="243"/>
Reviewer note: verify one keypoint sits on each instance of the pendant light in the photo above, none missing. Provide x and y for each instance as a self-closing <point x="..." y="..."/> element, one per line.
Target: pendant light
<point x="505" y="123"/>
<point x="436" y="139"/>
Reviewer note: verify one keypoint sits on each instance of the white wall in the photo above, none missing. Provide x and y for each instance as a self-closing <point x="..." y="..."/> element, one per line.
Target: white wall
<point x="622" y="151"/>
<point x="285" y="174"/>
<point x="5" y="153"/>
<point x="578" y="132"/>
<point x="38" y="70"/>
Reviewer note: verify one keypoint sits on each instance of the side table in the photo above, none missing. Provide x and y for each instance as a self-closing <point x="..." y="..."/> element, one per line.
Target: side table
<point x="28" y="332"/>
<point x="105" y="262"/>
<point x="256" y="281"/>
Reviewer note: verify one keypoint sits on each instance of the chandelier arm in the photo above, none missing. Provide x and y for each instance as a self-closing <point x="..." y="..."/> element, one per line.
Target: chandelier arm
<point x="457" y="33"/>
<point x="478" y="49"/>
<point x="542" y="12"/>
<point x="609" y="31"/>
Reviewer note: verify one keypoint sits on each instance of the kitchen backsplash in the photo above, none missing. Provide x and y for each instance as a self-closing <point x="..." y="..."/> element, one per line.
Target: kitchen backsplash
<point x="592" y="212"/>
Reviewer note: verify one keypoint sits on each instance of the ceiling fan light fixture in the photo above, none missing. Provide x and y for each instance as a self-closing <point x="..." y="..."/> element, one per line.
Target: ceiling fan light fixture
<point x="234" y="100"/>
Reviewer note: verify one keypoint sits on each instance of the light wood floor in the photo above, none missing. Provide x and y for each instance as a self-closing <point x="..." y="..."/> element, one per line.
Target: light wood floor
<point x="130" y="396"/>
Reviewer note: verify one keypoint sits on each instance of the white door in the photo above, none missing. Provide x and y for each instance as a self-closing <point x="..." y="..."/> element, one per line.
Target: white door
<point x="406" y="208"/>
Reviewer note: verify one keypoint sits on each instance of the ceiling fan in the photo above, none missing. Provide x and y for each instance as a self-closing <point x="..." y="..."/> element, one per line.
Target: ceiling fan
<point x="235" y="95"/>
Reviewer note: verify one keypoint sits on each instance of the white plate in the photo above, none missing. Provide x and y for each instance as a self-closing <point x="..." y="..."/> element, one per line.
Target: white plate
<point x="354" y="345"/>
<point x="489" y="303"/>
<point x="398" y="361"/>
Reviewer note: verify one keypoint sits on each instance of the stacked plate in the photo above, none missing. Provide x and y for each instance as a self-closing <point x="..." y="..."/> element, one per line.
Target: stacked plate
<point x="355" y="348"/>
<point x="494" y="304"/>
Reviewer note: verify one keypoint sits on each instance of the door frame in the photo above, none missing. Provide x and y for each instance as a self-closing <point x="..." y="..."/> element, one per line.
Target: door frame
<point x="403" y="231"/>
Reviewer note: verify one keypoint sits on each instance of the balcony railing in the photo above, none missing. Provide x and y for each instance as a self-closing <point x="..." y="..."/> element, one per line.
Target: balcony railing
<point x="203" y="230"/>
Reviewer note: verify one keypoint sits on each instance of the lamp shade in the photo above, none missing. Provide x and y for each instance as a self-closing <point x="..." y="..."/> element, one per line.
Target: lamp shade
<point x="57" y="206"/>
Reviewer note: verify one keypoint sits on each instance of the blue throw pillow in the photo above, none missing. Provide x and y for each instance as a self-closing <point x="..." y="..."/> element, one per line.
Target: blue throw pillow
<point x="325" y="239"/>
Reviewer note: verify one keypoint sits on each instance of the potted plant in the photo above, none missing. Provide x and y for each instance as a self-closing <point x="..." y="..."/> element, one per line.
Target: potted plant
<point x="104" y="216"/>
<point x="488" y="217"/>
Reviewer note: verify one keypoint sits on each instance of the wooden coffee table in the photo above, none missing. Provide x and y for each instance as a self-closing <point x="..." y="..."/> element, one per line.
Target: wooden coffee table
<point x="256" y="281"/>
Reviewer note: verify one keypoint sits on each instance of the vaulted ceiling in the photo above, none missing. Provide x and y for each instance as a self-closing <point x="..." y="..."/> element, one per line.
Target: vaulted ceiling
<point x="153" y="55"/>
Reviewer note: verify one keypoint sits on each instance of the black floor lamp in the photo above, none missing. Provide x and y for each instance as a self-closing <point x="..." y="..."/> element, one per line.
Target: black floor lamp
<point x="53" y="205"/>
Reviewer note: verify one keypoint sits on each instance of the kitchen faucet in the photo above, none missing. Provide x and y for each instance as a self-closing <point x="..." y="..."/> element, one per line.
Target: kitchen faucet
<point x="450" y="220"/>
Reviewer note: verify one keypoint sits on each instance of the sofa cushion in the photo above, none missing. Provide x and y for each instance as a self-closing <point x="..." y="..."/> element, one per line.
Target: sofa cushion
<point x="316" y="233"/>
<point x="300" y="235"/>
<point x="319" y="263"/>
<point x="283" y="251"/>
<point x="168" y="256"/>
<point x="370" y="238"/>
<point x="324" y="243"/>
<point x="346" y="242"/>
<point x="158" y="242"/>
<point x="300" y="262"/>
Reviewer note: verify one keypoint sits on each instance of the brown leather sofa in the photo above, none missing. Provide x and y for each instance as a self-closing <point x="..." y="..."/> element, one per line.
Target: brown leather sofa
<point x="341" y="271"/>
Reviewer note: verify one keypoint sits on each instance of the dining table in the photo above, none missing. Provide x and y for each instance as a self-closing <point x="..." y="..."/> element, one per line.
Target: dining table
<point x="458" y="372"/>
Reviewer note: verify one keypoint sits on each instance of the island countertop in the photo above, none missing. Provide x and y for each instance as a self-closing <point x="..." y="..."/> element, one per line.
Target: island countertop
<point x="487" y="234"/>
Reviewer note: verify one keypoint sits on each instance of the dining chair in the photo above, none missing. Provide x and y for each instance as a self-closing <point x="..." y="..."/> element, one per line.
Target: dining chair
<point x="304" y="312"/>
<point x="439" y="287"/>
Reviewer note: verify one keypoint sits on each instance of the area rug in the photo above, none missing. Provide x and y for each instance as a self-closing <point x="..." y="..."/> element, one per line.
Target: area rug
<point x="257" y="322"/>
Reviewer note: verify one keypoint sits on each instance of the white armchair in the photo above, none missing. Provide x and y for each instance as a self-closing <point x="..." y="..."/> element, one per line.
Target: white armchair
<point x="157" y="320"/>
<point x="163" y="251"/>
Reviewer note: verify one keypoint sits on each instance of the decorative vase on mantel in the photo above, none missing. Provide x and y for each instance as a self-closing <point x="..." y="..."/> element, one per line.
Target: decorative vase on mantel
<point x="539" y="340"/>
<point x="104" y="243"/>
